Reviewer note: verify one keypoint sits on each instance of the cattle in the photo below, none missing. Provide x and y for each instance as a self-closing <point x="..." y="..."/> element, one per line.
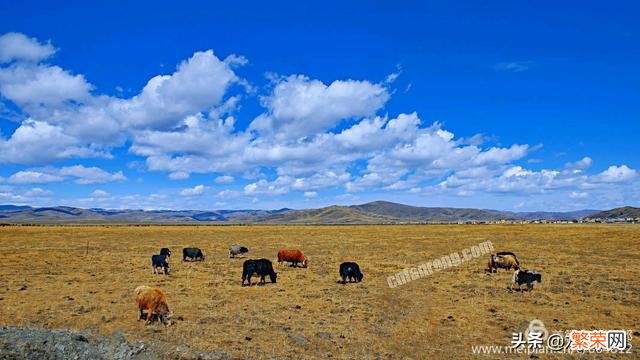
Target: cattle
<point x="528" y="277"/>
<point x="502" y="260"/>
<point x="160" y="261"/>
<point x="237" y="250"/>
<point x="193" y="254"/>
<point x="153" y="301"/>
<point x="261" y="267"/>
<point x="351" y="271"/>
<point x="165" y="251"/>
<point x="293" y="256"/>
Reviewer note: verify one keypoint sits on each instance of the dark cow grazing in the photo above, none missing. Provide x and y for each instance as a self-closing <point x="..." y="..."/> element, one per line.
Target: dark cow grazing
<point x="160" y="261"/>
<point x="528" y="277"/>
<point x="351" y="271"/>
<point x="261" y="267"/>
<point x="193" y="254"/>
<point x="502" y="260"/>
<point x="293" y="256"/>
<point x="237" y="250"/>
<point x="165" y="251"/>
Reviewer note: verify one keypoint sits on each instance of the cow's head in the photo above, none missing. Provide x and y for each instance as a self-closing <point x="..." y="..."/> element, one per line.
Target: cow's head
<point x="166" y="318"/>
<point x="360" y="276"/>
<point x="538" y="277"/>
<point x="305" y="262"/>
<point x="273" y="276"/>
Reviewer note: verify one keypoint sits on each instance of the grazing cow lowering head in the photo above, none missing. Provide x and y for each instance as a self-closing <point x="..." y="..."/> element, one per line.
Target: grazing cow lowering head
<point x="502" y="260"/>
<point x="154" y="302"/>
<point x="237" y="250"/>
<point x="521" y="277"/>
<point x="261" y="267"/>
<point x="351" y="271"/>
<point x="193" y="254"/>
<point x="295" y="257"/>
<point x="160" y="261"/>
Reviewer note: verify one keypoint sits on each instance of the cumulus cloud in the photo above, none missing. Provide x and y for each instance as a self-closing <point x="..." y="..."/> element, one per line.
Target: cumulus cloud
<point x="62" y="113"/>
<point x="198" y="84"/>
<point x="581" y="164"/>
<point x="99" y="194"/>
<point x="224" y="179"/>
<point x="38" y="192"/>
<point x="194" y="191"/>
<point x="33" y="177"/>
<point x="300" y="106"/>
<point x="17" y="46"/>
<point x="310" y="194"/>
<point x="78" y="173"/>
<point x="616" y="174"/>
<point x="90" y="175"/>
<point x="30" y="85"/>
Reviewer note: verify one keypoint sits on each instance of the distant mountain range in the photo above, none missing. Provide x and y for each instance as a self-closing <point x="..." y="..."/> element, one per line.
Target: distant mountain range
<point x="377" y="212"/>
<point x="618" y="213"/>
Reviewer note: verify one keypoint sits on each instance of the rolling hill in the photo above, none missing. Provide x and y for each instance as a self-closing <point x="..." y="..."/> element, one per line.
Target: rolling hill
<point x="617" y="213"/>
<point x="377" y="212"/>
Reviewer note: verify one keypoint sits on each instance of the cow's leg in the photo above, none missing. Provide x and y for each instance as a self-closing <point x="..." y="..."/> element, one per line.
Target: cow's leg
<point x="344" y="279"/>
<point x="249" y="279"/>
<point x="262" y="281"/>
<point x="141" y="315"/>
<point x="149" y="315"/>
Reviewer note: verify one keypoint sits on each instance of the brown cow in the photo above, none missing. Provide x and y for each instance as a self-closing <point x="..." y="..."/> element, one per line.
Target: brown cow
<point x="154" y="301"/>
<point x="502" y="260"/>
<point x="293" y="256"/>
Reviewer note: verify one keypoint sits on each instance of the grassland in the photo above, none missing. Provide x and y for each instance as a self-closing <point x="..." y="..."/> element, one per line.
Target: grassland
<point x="591" y="280"/>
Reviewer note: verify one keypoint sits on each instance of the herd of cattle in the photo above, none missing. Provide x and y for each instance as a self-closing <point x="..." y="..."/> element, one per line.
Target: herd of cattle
<point x="152" y="302"/>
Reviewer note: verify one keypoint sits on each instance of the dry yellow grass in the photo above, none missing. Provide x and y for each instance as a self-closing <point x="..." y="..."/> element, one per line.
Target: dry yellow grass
<point x="591" y="280"/>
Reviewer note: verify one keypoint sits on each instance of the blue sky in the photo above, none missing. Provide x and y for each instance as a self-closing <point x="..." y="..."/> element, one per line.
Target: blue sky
<point x="505" y="105"/>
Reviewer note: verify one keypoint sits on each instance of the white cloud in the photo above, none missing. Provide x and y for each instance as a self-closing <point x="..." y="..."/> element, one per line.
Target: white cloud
<point x="90" y="175"/>
<point x="310" y="194"/>
<point x="224" y="179"/>
<point x="578" y="194"/>
<point x="79" y="173"/>
<point x="300" y="106"/>
<point x="198" y="84"/>
<point x="99" y="194"/>
<point x="40" y="142"/>
<point x="179" y="175"/>
<point x="38" y="193"/>
<point x="194" y="191"/>
<point x="17" y="46"/>
<point x="580" y="165"/>
<point x="33" y="177"/>
<point x="30" y="85"/>
<point x="616" y="174"/>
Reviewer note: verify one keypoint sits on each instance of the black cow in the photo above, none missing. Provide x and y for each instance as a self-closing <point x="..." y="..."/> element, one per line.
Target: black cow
<point x="165" y="251"/>
<point x="521" y="277"/>
<point x="350" y="270"/>
<point x="261" y="267"/>
<point x="160" y="261"/>
<point x="194" y="254"/>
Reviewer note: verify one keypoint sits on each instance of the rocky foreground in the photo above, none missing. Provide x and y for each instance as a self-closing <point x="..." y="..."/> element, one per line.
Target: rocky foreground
<point x="38" y="343"/>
